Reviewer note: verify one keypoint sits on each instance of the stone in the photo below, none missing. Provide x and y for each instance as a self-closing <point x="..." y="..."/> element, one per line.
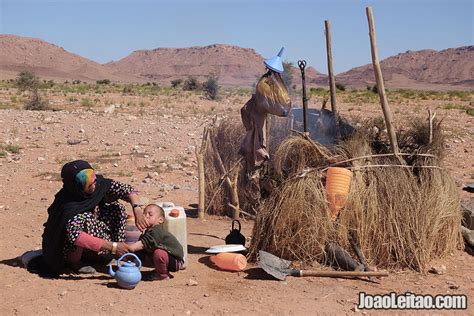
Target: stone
<point x="186" y="164"/>
<point x="441" y="269"/>
<point x="110" y="109"/>
<point x="41" y="159"/>
<point x="73" y="141"/>
<point x="192" y="282"/>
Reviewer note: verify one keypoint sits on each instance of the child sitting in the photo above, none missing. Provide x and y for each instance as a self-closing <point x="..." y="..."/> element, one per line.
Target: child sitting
<point x="160" y="246"/>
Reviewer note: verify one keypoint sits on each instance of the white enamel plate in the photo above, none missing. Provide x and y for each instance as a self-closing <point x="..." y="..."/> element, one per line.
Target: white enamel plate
<point x="226" y="248"/>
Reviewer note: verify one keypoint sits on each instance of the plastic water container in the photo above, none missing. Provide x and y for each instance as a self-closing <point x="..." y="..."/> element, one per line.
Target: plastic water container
<point x="175" y="224"/>
<point x="229" y="261"/>
<point x="132" y="233"/>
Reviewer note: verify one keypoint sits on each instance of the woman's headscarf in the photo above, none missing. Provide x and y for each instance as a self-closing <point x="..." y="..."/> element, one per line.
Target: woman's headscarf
<point x="68" y="202"/>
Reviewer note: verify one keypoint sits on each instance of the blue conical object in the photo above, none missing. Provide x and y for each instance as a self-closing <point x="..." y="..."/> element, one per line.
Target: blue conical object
<point x="275" y="63"/>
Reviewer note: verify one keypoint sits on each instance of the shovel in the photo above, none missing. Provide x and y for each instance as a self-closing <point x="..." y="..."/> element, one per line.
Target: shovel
<point x="279" y="268"/>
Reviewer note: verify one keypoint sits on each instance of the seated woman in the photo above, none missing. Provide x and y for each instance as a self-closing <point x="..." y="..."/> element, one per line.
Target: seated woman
<point x="85" y="214"/>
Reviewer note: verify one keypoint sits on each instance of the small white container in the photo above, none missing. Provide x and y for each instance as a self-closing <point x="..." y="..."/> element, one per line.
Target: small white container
<point x="176" y="226"/>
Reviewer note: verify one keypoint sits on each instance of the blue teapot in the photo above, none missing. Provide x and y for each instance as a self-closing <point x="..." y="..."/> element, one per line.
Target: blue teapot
<point x="128" y="273"/>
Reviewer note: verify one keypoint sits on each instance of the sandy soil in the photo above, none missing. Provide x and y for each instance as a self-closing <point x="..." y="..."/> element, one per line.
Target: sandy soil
<point x="132" y="147"/>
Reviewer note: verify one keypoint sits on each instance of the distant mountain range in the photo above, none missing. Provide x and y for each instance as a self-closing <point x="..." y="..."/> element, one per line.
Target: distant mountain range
<point x="233" y="65"/>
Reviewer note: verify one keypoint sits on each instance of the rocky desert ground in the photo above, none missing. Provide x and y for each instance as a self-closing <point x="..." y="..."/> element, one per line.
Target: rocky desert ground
<point x="148" y="141"/>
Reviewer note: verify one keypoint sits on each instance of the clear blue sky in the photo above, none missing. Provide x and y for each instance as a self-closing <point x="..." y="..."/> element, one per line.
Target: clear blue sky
<point x="105" y="30"/>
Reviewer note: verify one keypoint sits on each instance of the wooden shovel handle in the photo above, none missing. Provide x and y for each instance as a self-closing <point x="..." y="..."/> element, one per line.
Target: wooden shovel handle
<point x="337" y="274"/>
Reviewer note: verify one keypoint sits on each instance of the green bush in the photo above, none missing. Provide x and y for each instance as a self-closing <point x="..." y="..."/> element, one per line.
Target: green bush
<point x="36" y="102"/>
<point x="14" y="149"/>
<point x="86" y="102"/>
<point x="128" y="89"/>
<point x="211" y="87"/>
<point x="176" y="83"/>
<point x="190" y="84"/>
<point x="103" y="81"/>
<point x="340" y="86"/>
<point x="26" y="80"/>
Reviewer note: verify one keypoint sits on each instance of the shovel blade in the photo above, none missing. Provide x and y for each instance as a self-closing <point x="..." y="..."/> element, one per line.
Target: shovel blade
<point x="273" y="265"/>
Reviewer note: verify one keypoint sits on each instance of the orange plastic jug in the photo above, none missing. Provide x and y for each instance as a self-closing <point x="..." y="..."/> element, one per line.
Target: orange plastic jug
<point x="338" y="183"/>
<point x="230" y="261"/>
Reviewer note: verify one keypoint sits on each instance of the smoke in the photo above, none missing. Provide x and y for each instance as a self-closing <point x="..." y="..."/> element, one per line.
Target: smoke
<point x="322" y="127"/>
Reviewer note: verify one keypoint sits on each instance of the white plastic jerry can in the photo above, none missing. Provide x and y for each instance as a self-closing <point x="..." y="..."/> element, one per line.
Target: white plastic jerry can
<point x="175" y="224"/>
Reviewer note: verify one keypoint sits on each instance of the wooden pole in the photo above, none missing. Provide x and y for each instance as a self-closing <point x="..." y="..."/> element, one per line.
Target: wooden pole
<point x="332" y="82"/>
<point x="431" y="117"/>
<point x="202" y="184"/>
<point x="380" y="85"/>
<point x="201" y="173"/>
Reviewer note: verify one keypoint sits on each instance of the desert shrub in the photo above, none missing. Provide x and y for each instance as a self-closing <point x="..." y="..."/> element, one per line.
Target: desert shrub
<point x="128" y="89"/>
<point x="26" y="80"/>
<point x="103" y="81"/>
<point x="36" y="102"/>
<point x="211" y="87"/>
<point x="340" y="86"/>
<point x="190" y="84"/>
<point x="76" y="81"/>
<point x="4" y="105"/>
<point x="375" y="89"/>
<point x="318" y="91"/>
<point x="176" y="83"/>
<point x="14" y="149"/>
<point x="86" y="102"/>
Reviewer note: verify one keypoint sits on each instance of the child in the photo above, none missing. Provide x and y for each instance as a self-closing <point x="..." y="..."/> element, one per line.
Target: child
<point x="160" y="246"/>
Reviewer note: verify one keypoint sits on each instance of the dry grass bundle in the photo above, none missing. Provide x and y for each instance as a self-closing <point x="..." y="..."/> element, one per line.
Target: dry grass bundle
<point x="403" y="216"/>
<point x="294" y="222"/>
<point x="417" y="139"/>
<point x="402" y="219"/>
<point x="296" y="153"/>
<point x="223" y="144"/>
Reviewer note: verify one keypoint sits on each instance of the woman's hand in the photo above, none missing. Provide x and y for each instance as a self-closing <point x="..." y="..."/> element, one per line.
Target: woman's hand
<point x="140" y="221"/>
<point x="122" y="248"/>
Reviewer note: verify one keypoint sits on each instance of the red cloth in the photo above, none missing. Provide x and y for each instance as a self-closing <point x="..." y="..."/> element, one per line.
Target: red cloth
<point x="160" y="261"/>
<point x="84" y="240"/>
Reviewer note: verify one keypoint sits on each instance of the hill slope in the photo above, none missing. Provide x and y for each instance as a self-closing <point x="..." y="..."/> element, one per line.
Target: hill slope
<point x="46" y="60"/>
<point x="234" y="65"/>
<point x="453" y="66"/>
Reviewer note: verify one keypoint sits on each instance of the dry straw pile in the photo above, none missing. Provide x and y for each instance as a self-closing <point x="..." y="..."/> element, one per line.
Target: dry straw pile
<point x="221" y="159"/>
<point x="404" y="212"/>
